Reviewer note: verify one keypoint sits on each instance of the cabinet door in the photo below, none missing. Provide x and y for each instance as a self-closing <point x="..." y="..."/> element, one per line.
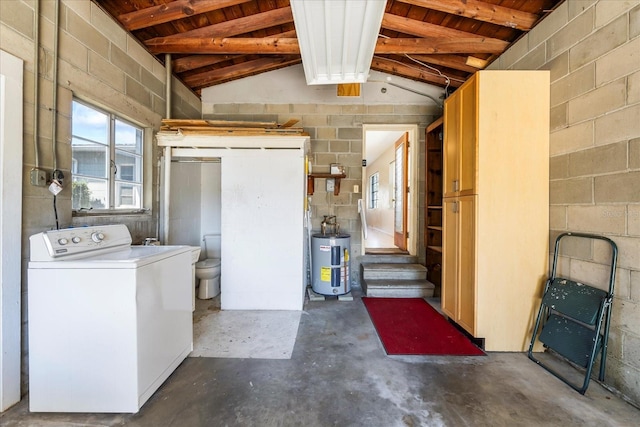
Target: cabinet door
<point x="467" y="152"/>
<point x="467" y="278"/>
<point x="451" y="144"/>
<point x="449" y="297"/>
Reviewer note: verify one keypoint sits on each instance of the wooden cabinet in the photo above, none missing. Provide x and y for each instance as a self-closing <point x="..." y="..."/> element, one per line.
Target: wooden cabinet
<point x="460" y="142"/>
<point x="458" y="302"/>
<point x="433" y="202"/>
<point x="496" y="205"/>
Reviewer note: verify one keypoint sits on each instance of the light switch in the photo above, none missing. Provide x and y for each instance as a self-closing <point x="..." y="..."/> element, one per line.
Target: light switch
<point x="356" y="188"/>
<point x="330" y="185"/>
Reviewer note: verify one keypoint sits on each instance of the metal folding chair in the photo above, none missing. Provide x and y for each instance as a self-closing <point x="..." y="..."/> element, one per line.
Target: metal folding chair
<point x="574" y="318"/>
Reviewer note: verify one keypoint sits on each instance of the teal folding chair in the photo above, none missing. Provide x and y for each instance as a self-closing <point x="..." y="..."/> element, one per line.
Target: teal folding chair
<point x="574" y="318"/>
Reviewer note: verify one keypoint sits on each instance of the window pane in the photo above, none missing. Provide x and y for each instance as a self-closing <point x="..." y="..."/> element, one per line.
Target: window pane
<point x="129" y="167"/>
<point x="128" y="137"/>
<point x="127" y="195"/>
<point x="89" y="124"/>
<point x="88" y="158"/>
<point x="89" y="193"/>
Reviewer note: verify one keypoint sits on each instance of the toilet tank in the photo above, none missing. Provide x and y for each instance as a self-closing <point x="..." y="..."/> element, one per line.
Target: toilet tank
<point x="212" y="245"/>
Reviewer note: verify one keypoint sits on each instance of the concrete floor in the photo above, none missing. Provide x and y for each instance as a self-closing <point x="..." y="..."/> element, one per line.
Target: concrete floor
<point x="340" y="375"/>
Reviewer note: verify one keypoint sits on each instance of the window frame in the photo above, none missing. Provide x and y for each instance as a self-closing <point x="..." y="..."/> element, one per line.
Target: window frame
<point x="374" y="190"/>
<point x="113" y="174"/>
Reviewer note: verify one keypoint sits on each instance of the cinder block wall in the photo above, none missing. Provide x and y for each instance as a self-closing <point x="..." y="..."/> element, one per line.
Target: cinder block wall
<point x="101" y="64"/>
<point x="592" y="49"/>
<point x="336" y="137"/>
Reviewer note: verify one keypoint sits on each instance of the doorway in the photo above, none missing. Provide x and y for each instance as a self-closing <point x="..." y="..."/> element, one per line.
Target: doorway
<point x="389" y="173"/>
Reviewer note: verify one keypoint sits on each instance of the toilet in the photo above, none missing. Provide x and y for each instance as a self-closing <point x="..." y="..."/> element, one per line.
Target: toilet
<point x="208" y="270"/>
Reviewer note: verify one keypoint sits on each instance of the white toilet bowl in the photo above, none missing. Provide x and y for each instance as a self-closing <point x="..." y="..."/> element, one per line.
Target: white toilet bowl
<point x="208" y="270"/>
<point x="208" y="275"/>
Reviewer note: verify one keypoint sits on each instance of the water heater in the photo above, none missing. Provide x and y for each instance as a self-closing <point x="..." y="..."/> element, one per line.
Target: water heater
<point x="330" y="273"/>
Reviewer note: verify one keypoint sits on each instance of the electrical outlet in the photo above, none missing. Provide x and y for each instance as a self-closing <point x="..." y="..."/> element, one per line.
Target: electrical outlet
<point x="331" y="185"/>
<point x="38" y="177"/>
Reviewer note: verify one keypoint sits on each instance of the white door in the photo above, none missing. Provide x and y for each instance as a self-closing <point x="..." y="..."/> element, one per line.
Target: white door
<point x="262" y="230"/>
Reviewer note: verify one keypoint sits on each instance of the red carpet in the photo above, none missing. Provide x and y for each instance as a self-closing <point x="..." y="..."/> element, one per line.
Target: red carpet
<point x="412" y="326"/>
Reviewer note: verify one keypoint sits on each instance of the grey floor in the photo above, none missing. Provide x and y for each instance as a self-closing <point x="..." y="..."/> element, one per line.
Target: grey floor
<point x="339" y="375"/>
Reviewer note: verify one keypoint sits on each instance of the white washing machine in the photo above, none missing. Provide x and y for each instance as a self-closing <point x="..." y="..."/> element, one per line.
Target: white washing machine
<point x="108" y="322"/>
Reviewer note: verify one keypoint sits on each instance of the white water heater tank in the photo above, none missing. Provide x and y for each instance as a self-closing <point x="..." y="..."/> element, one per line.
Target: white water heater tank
<point x="330" y="272"/>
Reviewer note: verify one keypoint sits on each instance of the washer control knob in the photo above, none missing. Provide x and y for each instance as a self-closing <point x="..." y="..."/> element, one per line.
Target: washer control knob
<point x="75" y="239"/>
<point x="63" y="241"/>
<point x="97" y="237"/>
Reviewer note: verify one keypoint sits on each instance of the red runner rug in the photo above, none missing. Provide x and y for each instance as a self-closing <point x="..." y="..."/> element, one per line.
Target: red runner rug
<point x="411" y="326"/>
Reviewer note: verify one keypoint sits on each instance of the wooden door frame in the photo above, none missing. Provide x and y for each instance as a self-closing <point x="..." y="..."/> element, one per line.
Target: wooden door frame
<point x="400" y="239"/>
<point x="413" y="177"/>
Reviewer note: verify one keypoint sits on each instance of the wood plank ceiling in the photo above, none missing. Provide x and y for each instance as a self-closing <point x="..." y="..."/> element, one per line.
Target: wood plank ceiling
<point x="441" y="42"/>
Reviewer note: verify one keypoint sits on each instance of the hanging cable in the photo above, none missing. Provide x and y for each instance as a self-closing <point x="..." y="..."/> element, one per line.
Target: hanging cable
<point x="55" y="211"/>
<point x="446" y="78"/>
<point x="438" y="73"/>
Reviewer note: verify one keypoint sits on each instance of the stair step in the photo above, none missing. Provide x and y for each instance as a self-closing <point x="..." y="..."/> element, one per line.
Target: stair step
<point x="389" y="259"/>
<point x="395" y="271"/>
<point x="398" y="288"/>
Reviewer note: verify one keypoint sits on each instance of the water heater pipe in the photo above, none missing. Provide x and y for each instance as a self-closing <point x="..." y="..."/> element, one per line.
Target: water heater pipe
<point x="54" y="117"/>
<point x="167" y="193"/>
<point x="36" y="79"/>
<point x="167" y="95"/>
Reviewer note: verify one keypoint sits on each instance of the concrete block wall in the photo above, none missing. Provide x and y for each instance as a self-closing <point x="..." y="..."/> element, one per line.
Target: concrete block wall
<point x="98" y="62"/>
<point x="336" y="137"/>
<point x="592" y="49"/>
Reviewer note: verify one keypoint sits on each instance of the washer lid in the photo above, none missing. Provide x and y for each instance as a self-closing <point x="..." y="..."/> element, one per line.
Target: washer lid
<point x="208" y="263"/>
<point x="129" y="257"/>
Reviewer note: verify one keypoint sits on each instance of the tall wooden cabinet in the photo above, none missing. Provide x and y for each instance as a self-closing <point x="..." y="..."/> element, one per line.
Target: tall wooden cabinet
<point x="496" y="205"/>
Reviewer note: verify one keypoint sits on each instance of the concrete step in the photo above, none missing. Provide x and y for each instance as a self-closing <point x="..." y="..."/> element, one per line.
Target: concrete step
<point x="393" y="271"/>
<point x="389" y="259"/>
<point x="398" y="288"/>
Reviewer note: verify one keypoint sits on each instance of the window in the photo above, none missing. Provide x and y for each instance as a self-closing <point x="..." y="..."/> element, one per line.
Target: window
<point x="374" y="181"/>
<point x="106" y="160"/>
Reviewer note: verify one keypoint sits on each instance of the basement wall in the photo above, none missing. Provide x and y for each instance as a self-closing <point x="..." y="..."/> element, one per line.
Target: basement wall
<point x="101" y="64"/>
<point x="592" y="49"/>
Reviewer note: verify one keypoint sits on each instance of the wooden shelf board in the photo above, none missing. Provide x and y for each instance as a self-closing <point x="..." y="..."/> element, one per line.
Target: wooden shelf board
<point x="434" y="207"/>
<point x="435" y="248"/>
<point x="434" y="227"/>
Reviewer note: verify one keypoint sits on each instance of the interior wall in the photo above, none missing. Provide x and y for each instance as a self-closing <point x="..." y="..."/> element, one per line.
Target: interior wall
<point x="336" y="137"/>
<point x="381" y="218"/>
<point x="101" y="64"/>
<point x="592" y="49"/>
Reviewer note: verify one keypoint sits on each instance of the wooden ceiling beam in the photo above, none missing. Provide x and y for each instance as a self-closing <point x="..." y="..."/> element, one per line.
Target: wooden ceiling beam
<point x="265" y="46"/>
<point x="160" y="14"/>
<point x="237" y="71"/>
<point x="192" y="62"/>
<point x="450" y="61"/>
<point x="289" y="46"/>
<point x="481" y="11"/>
<point x="393" y="67"/>
<point x="430" y="45"/>
<point x="247" y="24"/>
<point x="423" y="29"/>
